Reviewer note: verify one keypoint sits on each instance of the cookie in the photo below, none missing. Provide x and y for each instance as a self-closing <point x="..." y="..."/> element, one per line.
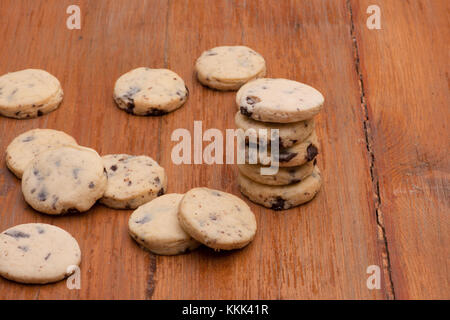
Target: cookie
<point x="26" y="146"/>
<point x="132" y="181"/>
<point x="67" y="179"/>
<point x="217" y="219"/>
<point x="37" y="253"/>
<point x="289" y="133"/>
<point x="29" y="93"/>
<point x="150" y="92"/>
<point x="229" y="67"/>
<point x="281" y="197"/>
<point x="296" y="155"/>
<point x="284" y="176"/>
<point x="155" y="226"/>
<point x="278" y="100"/>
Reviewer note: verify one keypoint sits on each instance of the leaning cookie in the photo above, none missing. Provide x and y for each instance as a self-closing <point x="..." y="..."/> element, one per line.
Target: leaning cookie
<point x="132" y="181"/>
<point x="289" y="133"/>
<point x="37" y="253"/>
<point x="155" y="226"/>
<point x="284" y="176"/>
<point x="29" y="93"/>
<point x="229" y="67"/>
<point x="26" y="146"/>
<point x="217" y="219"/>
<point x="281" y="197"/>
<point x="278" y="100"/>
<point x="67" y="179"/>
<point x="150" y="92"/>
<point x="296" y="155"/>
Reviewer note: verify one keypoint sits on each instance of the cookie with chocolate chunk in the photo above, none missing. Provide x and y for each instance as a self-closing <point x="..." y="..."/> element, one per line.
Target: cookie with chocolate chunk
<point x="37" y="253"/>
<point x="281" y="197"/>
<point x="29" y="93"/>
<point x="67" y="179"/>
<point x="288" y="133"/>
<point x="284" y="176"/>
<point x="217" y="219"/>
<point x="296" y="155"/>
<point x="150" y="92"/>
<point x="155" y="226"/>
<point x="132" y="181"/>
<point x="229" y="67"/>
<point x="26" y="146"/>
<point x="278" y="100"/>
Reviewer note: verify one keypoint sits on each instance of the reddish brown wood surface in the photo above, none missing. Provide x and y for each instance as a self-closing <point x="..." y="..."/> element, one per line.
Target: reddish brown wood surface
<point x="405" y="68"/>
<point x="319" y="250"/>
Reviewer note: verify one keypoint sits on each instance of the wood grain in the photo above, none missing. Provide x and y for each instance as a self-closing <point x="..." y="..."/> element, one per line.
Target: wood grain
<point x="320" y="250"/>
<point x="405" y="69"/>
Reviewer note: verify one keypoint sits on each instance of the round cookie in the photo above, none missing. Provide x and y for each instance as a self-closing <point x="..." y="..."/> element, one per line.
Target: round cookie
<point x="229" y="67"/>
<point x="284" y="176"/>
<point x="29" y="93"/>
<point x="37" y="253"/>
<point x="217" y="219"/>
<point x="155" y="226"/>
<point x="289" y="133"/>
<point x="296" y="155"/>
<point x="132" y="181"/>
<point x="281" y="197"/>
<point x="278" y="100"/>
<point x="26" y="146"/>
<point x="150" y="92"/>
<point x="67" y="179"/>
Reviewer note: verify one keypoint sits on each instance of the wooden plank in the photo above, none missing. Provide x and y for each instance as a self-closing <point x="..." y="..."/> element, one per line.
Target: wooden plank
<point x="404" y="68"/>
<point x="320" y="250"/>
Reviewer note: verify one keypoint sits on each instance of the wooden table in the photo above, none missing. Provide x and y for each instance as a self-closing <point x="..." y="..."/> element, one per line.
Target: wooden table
<point x="384" y="133"/>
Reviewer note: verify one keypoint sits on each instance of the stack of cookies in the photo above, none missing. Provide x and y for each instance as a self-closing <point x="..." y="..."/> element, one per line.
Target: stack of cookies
<point x="288" y="106"/>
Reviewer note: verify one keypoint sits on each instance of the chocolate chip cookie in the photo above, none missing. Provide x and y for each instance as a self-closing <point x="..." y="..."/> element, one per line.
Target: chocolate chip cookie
<point x="26" y="146"/>
<point x="289" y="133"/>
<point x="229" y="67"/>
<point x="278" y="100"/>
<point x="37" y="253"/>
<point x="155" y="226"/>
<point x="150" y="92"/>
<point x="217" y="219"/>
<point x="29" y="93"/>
<point x="281" y="197"/>
<point x="67" y="179"/>
<point x="132" y="181"/>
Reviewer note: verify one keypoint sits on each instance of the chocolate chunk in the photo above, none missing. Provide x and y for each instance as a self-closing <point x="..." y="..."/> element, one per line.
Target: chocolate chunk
<point x="252" y="100"/>
<point x="160" y="192"/>
<point x="17" y="234"/>
<point x="33" y="190"/>
<point x="47" y="256"/>
<point x="245" y="111"/>
<point x="215" y="193"/>
<point x="40" y="113"/>
<point x="311" y="152"/>
<point x="42" y="195"/>
<point x="40" y="230"/>
<point x="130" y="107"/>
<point x="55" y="200"/>
<point x="145" y="219"/>
<point x="155" y="112"/>
<point x="157" y="181"/>
<point x="187" y="91"/>
<point x="129" y="183"/>
<point x="75" y="173"/>
<point x="91" y="185"/>
<point x="72" y="210"/>
<point x="278" y="204"/>
<point x="113" y="167"/>
<point x="211" y="54"/>
<point x="286" y="156"/>
<point x="23" y="248"/>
